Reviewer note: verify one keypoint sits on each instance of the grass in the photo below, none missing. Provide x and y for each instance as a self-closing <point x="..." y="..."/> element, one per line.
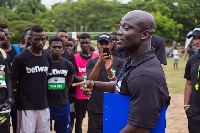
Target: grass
<point x="175" y="80"/>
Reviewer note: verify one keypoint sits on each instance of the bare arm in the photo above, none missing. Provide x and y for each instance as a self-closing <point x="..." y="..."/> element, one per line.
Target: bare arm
<point x="69" y="81"/>
<point x="108" y="65"/>
<point x="77" y="78"/>
<point x="187" y="94"/>
<point x="133" y="129"/>
<point x="95" y="71"/>
<point x="88" y="86"/>
<point x="14" y="83"/>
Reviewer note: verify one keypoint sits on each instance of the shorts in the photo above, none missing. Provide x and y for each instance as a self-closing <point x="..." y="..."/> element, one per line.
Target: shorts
<point x="80" y="108"/>
<point x="61" y="115"/>
<point x="95" y="122"/>
<point x="33" y="121"/>
<point x="175" y="61"/>
<point x="194" y="124"/>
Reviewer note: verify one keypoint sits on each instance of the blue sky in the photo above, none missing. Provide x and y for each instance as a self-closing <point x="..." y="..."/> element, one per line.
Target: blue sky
<point x="48" y="3"/>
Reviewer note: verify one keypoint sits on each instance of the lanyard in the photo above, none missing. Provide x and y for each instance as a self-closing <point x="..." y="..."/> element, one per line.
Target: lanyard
<point x="117" y="90"/>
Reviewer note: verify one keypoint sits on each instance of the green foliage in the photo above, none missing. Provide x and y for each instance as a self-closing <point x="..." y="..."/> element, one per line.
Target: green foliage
<point x="174" y="18"/>
<point x="31" y="6"/>
<point x="166" y="27"/>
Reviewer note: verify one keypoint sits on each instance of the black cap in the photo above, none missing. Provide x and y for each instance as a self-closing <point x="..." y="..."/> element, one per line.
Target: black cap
<point x="195" y="32"/>
<point x="104" y="36"/>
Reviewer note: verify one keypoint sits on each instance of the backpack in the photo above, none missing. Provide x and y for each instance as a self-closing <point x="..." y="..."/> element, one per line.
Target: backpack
<point x="17" y="48"/>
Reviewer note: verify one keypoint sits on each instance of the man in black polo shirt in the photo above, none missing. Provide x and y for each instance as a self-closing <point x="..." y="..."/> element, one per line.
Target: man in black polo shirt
<point x="29" y="73"/>
<point x="158" y="43"/>
<point x="192" y="76"/>
<point x="105" y="70"/>
<point x="142" y="77"/>
<point x="59" y="82"/>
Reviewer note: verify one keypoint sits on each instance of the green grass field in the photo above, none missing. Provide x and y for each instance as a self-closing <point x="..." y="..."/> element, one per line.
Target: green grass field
<point x="175" y="80"/>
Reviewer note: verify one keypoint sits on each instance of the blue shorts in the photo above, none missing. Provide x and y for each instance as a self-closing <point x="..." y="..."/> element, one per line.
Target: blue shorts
<point x="61" y="116"/>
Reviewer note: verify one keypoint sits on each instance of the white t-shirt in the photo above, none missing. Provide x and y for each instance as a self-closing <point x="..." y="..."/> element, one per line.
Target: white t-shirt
<point x="176" y="54"/>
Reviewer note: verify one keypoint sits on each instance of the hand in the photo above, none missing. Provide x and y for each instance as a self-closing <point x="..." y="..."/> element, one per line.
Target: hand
<point x="86" y="87"/>
<point x="102" y="58"/>
<point x="109" y="63"/>
<point x="186" y="108"/>
<point x="5" y="106"/>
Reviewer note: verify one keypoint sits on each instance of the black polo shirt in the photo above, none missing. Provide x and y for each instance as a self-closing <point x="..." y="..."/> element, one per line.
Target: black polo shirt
<point x="144" y="81"/>
<point x="158" y="43"/>
<point x="95" y="104"/>
<point x="191" y="72"/>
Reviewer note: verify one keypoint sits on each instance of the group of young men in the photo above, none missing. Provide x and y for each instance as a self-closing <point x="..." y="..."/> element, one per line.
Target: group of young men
<point x="37" y="82"/>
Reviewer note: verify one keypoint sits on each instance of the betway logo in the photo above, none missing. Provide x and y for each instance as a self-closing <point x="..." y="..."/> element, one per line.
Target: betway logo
<point x="2" y="67"/>
<point x="82" y="69"/>
<point x="37" y="69"/>
<point x="58" y="72"/>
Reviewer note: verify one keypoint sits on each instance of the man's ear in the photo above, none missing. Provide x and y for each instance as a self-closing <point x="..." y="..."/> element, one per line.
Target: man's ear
<point x="145" y="35"/>
<point x="10" y="33"/>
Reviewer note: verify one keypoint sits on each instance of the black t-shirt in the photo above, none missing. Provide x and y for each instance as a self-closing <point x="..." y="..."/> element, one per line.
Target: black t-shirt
<point x="95" y="104"/>
<point x="191" y="72"/>
<point x="31" y="73"/>
<point x="144" y="81"/>
<point x="158" y="43"/>
<point x="57" y="94"/>
<point x="70" y="58"/>
<point x="120" y="53"/>
<point x="190" y="52"/>
<point x="4" y="70"/>
<point x="12" y="53"/>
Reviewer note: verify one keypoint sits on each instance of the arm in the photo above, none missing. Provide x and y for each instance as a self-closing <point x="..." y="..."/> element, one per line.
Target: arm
<point x="108" y="65"/>
<point x="133" y="129"/>
<point x="187" y="94"/>
<point x="77" y="78"/>
<point x="185" y="56"/>
<point x="89" y="85"/>
<point x="69" y="81"/>
<point x="95" y="71"/>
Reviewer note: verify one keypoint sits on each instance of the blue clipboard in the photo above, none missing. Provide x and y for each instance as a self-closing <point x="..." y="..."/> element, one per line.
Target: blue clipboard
<point x="115" y="116"/>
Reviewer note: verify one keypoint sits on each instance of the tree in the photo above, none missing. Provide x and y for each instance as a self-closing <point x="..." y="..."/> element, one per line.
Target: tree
<point x="30" y="6"/>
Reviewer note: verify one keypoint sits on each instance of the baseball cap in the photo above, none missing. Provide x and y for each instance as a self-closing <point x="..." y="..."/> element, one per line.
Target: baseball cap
<point x="104" y="36"/>
<point x="195" y="32"/>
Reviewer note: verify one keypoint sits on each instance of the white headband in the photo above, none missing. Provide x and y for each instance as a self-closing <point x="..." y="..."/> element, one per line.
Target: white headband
<point x="198" y="29"/>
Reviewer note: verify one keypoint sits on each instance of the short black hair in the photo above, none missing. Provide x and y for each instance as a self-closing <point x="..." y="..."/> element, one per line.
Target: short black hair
<point x="190" y="46"/>
<point x="27" y="29"/>
<point x="1" y="30"/>
<point x="37" y="29"/>
<point x="84" y="36"/>
<point x="114" y="33"/>
<point x="62" y="30"/>
<point x="71" y="39"/>
<point x="4" y="26"/>
<point x="55" y="38"/>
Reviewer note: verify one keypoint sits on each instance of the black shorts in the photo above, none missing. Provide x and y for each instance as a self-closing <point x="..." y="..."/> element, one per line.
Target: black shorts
<point x="80" y="108"/>
<point x="194" y="124"/>
<point x="95" y="122"/>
